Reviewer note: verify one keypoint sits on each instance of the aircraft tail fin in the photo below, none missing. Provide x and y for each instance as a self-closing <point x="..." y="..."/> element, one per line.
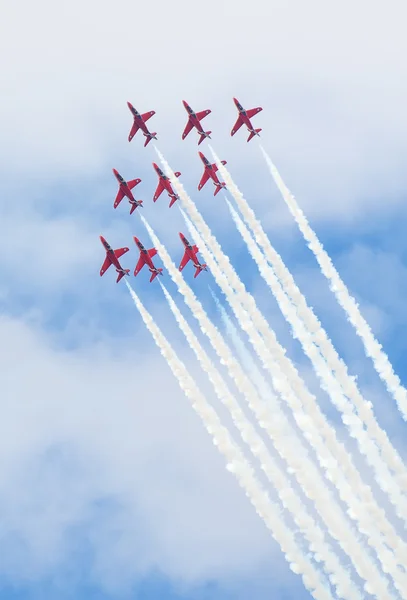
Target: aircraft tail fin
<point x="122" y="274"/>
<point x="155" y="273"/>
<point x="134" y="205"/>
<point x="253" y="133"/>
<point x="199" y="268"/>
<point x="204" y="135"/>
<point x="149" y="137"/>
<point x="219" y="187"/>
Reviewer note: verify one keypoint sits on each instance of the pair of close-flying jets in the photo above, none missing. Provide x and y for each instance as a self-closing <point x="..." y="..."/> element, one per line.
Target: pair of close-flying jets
<point x="194" y="121"/>
<point x="146" y="256"/>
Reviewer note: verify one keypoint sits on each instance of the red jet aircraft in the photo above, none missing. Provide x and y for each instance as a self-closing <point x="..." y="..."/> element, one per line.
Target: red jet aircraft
<point x="112" y="258"/>
<point x="145" y="259"/>
<point x="194" y="121"/>
<point x="125" y="188"/>
<point x="191" y="254"/>
<point x="244" y="119"/>
<point x="210" y="172"/>
<point x="165" y="184"/>
<point x="140" y="123"/>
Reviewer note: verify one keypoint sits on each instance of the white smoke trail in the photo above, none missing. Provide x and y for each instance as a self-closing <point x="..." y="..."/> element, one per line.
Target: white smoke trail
<point x="358" y="508"/>
<point x="321" y="436"/>
<point x="338" y="576"/>
<point x="399" y="548"/>
<point x="330" y="453"/>
<point x="329" y="383"/>
<point x="243" y="353"/>
<point x="304" y="470"/>
<point x="348" y="384"/>
<point x="237" y="463"/>
<point x="372" y="347"/>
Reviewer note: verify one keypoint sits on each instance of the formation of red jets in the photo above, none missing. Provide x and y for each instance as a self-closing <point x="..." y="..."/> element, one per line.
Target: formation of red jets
<point x="164" y="184"/>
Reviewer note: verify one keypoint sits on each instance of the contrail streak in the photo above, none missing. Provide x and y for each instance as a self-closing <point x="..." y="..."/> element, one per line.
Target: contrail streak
<point x="364" y="409"/>
<point x="372" y="347"/>
<point x="328" y="509"/>
<point x="244" y="354"/>
<point x="338" y="576"/>
<point x="237" y="463"/>
<point x="321" y="436"/>
<point x="288" y="311"/>
<point x="357" y="508"/>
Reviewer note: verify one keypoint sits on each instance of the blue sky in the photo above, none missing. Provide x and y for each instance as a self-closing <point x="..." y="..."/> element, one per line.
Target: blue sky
<point x="110" y="487"/>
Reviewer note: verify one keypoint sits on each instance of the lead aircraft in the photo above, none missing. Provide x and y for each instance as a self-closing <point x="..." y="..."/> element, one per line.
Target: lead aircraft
<point x="145" y="259"/>
<point x="164" y="183"/>
<point x="191" y="254"/>
<point x="125" y="188"/>
<point x="140" y="123"/>
<point x="112" y="258"/>
<point x="194" y="120"/>
<point x="210" y="172"/>
<point x="244" y="119"/>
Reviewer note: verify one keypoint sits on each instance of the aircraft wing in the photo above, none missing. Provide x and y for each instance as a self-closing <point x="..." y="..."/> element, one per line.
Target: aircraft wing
<point x="185" y="260"/>
<point x="152" y="252"/>
<point x="105" y="266"/>
<point x="204" y="179"/>
<point x="119" y="198"/>
<point x="253" y="111"/>
<point x="131" y="184"/>
<point x="187" y="129"/>
<point x="133" y="130"/>
<point x="139" y="266"/>
<point x="237" y="125"/>
<point x="159" y="190"/>
<point x="202" y="114"/>
<point x="146" y="116"/>
<point x="120" y="251"/>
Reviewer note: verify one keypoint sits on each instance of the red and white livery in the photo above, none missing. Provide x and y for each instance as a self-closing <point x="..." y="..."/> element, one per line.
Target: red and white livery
<point x="112" y="258"/>
<point x="125" y="188"/>
<point x="146" y="259"/>
<point x="164" y="183"/>
<point x="140" y="123"/>
<point x="244" y="119"/>
<point x="194" y="120"/>
<point x="191" y="254"/>
<point x="210" y="173"/>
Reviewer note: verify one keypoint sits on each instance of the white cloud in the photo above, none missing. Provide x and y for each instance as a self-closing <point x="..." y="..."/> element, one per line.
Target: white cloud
<point x="330" y="80"/>
<point x="89" y="426"/>
<point x="80" y="426"/>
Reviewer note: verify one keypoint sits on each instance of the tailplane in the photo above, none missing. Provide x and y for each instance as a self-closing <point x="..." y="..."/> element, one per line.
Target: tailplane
<point x="219" y="187"/>
<point x="134" y="205"/>
<point x="149" y="137"/>
<point x="200" y="268"/>
<point x="155" y="273"/>
<point x="204" y="135"/>
<point x="253" y="133"/>
<point x="122" y="274"/>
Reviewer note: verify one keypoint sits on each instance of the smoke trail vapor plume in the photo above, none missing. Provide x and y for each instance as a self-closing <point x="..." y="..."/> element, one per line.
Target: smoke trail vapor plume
<point x="372" y="347"/>
<point x="236" y="462"/>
